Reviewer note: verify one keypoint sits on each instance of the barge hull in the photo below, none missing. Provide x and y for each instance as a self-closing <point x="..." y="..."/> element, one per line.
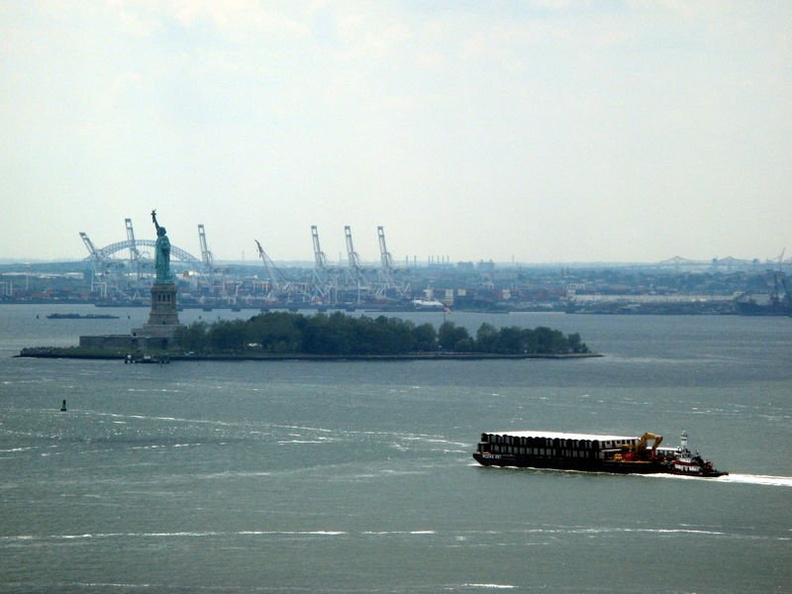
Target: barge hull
<point x="579" y="464"/>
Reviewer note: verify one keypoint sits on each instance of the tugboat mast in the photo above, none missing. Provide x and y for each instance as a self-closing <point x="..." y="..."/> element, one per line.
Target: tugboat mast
<point x="683" y="442"/>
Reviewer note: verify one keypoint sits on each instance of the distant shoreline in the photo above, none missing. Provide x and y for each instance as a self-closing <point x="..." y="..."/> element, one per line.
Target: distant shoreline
<point x="74" y="353"/>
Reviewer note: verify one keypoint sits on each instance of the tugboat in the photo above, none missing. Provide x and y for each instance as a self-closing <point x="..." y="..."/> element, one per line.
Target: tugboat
<point x="691" y="464"/>
<point x="591" y="453"/>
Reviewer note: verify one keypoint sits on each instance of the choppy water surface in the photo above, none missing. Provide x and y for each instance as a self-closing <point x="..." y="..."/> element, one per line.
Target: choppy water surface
<point x="357" y="477"/>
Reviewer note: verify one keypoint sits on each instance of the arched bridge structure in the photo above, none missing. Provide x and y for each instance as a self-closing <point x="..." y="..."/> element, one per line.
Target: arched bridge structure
<point x="133" y="245"/>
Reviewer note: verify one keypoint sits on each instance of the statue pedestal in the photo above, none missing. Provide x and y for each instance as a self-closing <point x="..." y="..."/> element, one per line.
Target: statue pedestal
<point x="163" y="320"/>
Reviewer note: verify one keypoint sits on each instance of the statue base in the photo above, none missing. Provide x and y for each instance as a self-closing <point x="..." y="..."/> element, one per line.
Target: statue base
<point x="163" y="320"/>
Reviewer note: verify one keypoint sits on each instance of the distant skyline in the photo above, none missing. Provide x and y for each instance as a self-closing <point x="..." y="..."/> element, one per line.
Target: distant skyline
<point x="533" y="131"/>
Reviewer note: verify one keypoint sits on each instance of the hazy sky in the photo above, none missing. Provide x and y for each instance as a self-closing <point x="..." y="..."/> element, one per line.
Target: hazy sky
<point x="533" y="130"/>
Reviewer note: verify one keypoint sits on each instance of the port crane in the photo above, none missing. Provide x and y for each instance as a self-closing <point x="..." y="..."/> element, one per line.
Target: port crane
<point x="93" y="253"/>
<point x="206" y="256"/>
<point x="387" y="271"/>
<point x="354" y="269"/>
<point x="385" y="259"/>
<point x="352" y="255"/>
<point x="101" y="266"/>
<point x="281" y="289"/>
<point x="324" y="285"/>
<point x="134" y="253"/>
<point x="320" y="259"/>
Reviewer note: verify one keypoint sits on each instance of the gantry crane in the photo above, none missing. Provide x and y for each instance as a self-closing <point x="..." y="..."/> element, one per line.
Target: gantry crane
<point x="134" y="253"/>
<point x="324" y="286"/>
<point x="354" y="269"/>
<point x="320" y="259"/>
<point x="206" y="256"/>
<point x="94" y="254"/>
<point x="385" y="256"/>
<point x="281" y="289"/>
<point x="352" y="255"/>
<point x="388" y="271"/>
<point x="100" y="266"/>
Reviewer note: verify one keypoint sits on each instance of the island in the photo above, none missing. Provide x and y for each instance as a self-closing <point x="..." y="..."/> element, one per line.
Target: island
<point x="286" y="335"/>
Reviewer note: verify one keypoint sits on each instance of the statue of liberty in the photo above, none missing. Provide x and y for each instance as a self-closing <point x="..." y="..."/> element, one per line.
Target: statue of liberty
<point x="162" y="249"/>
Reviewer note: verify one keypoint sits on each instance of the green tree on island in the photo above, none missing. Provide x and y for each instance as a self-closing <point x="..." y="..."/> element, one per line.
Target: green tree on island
<point x="341" y="335"/>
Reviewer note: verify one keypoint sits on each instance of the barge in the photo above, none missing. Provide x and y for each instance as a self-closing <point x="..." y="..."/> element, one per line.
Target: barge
<point x="591" y="453"/>
<point x="77" y="316"/>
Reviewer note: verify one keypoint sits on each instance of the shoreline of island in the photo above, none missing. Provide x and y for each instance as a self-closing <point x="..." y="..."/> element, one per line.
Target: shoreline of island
<point x="77" y="353"/>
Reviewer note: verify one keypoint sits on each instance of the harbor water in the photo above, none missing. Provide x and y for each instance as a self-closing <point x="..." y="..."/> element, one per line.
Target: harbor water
<point x="357" y="477"/>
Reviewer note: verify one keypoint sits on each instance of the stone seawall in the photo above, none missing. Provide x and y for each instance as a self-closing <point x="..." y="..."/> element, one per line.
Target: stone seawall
<point x="114" y="353"/>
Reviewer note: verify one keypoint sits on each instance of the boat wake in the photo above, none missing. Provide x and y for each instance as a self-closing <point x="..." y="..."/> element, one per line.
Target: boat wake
<point x="745" y="479"/>
<point x="757" y="479"/>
